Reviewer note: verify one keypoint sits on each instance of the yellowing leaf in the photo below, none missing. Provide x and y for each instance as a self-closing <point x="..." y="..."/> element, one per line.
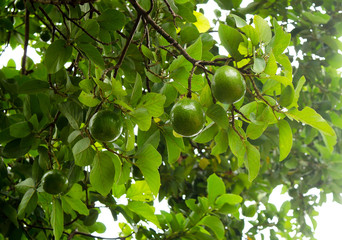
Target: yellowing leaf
<point x="202" y="22"/>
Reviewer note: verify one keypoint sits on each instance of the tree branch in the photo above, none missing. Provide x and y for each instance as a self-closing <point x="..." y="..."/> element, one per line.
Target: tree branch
<point x="124" y="51"/>
<point x="59" y="2"/>
<point x="174" y="15"/>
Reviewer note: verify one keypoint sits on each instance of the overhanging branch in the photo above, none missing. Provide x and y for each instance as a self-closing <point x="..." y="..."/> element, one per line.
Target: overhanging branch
<point x="58" y="2"/>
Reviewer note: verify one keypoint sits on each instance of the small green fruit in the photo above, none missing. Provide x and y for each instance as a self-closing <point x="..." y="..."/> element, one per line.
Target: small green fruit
<point x="187" y="117"/>
<point x="106" y="125"/>
<point x="228" y="85"/>
<point x="45" y="35"/>
<point x="54" y="182"/>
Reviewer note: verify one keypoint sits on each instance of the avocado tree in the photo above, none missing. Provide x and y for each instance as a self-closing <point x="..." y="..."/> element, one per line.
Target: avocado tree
<point x="136" y="99"/>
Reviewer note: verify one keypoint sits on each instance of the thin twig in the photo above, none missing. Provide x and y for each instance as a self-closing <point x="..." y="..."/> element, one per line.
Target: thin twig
<point x="209" y="83"/>
<point x="174" y="15"/>
<point x="233" y="125"/>
<point x="238" y="111"/>
<point x="124" y="51"/>
<point x="82" y="28"/>
<point x="27" y="32"/>
<point x="52" y="23"/>
<point x="189" y="80"/>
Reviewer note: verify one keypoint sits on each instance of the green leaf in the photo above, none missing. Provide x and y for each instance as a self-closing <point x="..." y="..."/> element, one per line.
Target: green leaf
<point x="317" y="17"/>
<point x="141" y="117"/>
<point x="154" y="103"/>
<point x="83" y="153"/>
<point x="231" y="39"/>
<point x="208" y="133"/>
<point x="92" y="53"/>
<point x="148" y="162"/>
<point x="144" y="210"/>
<point x="218" y="115"/>
<point x="129" y="135"/>
<point x="57" y="54"/>
<point x="271" y="65"/>
<point x="102" y="174"/>
<point x="221" y="141"/>
<point x="237" y="146"/>
<point x="252" y="34"/>
<point x="117" y="89"/>
<point x="311" y="117"/>
<point x="259" y="65"/>
<point x="105" y="86"/>
<point x="336" y="119"/>
<point x="249" y="211"/>
<point x="10" y="212"/>
<point x="263" y="29"/>
<point x="25" y="185"/>
<point x="281" y="79"/>
<point x="57" y="218"/>
<point x="72" y="112"/>
<point x="147" y="52"/>
<point x="92" y="27"/>
<point x="111" y="20"/>
<point x="298" y="89"/>
<point x="252" y="161"/>
<point x="16" y="148"/>
<point x="206" y="99"/>
<point x="88" y="99"/>
<point x="285" y="139"/>
<point x="140" y="191"/>
<point x="228" y="198"/>
<point x="195" y="51"/>
<point x="215" y="187"/>
<point x="20" y="129"/>
<point x="281" y="39"/>
<point x="189" y="33"/>
<point x="174" y="145"/>
<point x="254" y="131"/>
<point x="137" y="90"/>
<point x="202" y="23"/>
<point x="76" y="204"/>
<point x="28" y="203"/>
<point x="287" y="95"/>
<point x="215" y="224"/>
<point x="33" y="86"/>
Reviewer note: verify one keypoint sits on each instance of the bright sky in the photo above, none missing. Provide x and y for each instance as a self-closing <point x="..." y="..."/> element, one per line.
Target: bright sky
<point x="328" y="221"/>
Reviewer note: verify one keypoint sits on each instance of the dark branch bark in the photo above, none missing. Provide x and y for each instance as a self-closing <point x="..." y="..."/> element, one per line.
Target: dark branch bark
<point x="27" y="32"/>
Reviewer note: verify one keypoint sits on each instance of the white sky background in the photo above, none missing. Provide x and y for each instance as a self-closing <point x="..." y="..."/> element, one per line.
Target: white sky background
<point x="328" y="221"/>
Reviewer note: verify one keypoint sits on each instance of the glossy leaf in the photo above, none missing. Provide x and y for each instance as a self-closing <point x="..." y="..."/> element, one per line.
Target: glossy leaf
<point x="252" y="161"/>
<point x="57" y="218"/>
<point x="218" y="115"/>
<point x="215" y="224"/>
<point x="102" y="174"/>
<point x="28" y="203"/>
<point x="311" y="117"/>
<point x="285" y="139"/>
<point x="230" y="39"/>
<point x="215" y="187"/>
<point x="148" y="162"/>
<point x="57" y="54"/>
<point x="263" y="29"/>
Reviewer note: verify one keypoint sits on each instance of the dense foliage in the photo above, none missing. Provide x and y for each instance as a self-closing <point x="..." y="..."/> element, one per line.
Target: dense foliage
<point x="139" y="58"/>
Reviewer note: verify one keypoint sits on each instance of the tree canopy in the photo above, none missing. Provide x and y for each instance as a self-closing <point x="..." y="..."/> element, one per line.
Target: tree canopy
<point x="138" y="58"/>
